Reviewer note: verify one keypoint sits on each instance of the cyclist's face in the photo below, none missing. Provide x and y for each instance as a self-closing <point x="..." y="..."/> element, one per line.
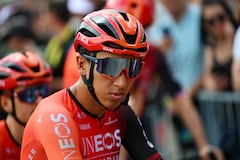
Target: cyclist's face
<point x="111" y="91"/>
<point x="23" y="110"/>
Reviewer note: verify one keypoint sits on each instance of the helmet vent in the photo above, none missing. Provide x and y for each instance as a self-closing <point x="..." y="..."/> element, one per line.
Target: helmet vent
<point x="124" y="15"/>
<point x="144" y="38"/>
<point x="36" y="69"/>
<point x="103" y="23"/>
<point x="24" y="78"/>
<point x="13" y="67"/>
<point x="131" y="39"/>
<point x="144" y="49"/>
<point x="47" y="75"/>
<point x="87" y="33"/>
<point x="87" y="30"/>
<point x="4" y="75"/>
<point x="113" y="45"/>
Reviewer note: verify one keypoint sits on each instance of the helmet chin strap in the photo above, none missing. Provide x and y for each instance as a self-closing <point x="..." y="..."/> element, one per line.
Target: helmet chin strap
<point x="89" y="83"/>
<point x="14" y="114"/>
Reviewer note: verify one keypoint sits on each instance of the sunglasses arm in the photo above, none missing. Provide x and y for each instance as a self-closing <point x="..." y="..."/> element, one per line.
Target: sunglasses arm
<point x="92" y="59"/>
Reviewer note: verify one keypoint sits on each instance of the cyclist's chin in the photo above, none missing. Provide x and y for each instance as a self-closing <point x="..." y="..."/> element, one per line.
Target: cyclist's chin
<point x="113" y="105"/>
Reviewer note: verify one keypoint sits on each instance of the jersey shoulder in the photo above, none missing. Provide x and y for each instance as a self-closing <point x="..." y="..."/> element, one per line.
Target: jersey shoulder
<point x="3" y="130"/>
<point x="60" y="100"/>
<point x="9" y="149"/>
<point x="125" y="112"/>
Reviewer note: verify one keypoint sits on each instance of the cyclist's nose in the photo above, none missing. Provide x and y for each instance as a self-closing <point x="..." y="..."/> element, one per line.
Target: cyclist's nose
<point x="122" y="80"/>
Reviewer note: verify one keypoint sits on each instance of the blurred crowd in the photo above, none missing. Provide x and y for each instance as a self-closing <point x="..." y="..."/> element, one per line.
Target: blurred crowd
<point x="198" y="41"/>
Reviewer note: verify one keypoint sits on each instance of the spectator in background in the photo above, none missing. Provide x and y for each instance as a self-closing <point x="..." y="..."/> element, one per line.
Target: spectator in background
<point x="218" y="30"/>
<point x="16" y="30"/>
<point x="155" y="75"/>
<point x="176" y="30"/>
<point x="38" y="9"/>
<point x="62" y="36"/>
<point x="23" y="83"/>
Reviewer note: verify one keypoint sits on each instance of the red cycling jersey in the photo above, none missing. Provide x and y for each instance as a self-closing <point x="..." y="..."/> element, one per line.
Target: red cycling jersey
<point x="60" y="128"/>
<point x="9" y="149"/>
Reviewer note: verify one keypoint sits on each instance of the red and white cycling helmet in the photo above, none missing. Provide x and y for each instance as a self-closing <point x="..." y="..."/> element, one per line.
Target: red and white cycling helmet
<point x="112" y="31"/>
<point x="23" y="69"/>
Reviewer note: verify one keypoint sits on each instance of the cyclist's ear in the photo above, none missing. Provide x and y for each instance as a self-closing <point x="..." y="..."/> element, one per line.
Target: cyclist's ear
<point x="6" y="103"/>
<point x="82" y="64"/>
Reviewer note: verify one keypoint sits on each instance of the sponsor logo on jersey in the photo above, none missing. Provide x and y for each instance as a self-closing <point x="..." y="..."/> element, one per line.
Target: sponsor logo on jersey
<point x="64" y="134"/>
<point x="110" y="156"/>
<point x="32" y="154"/>
<point x="81" y="115"/>
<point x="85" y="126"/>
<point x="111" y="121"/>
<point x="107" y="49"/>
<point x="10" y="151"/>
<point x="103" y="143"/>
<point x="39" y="120"/>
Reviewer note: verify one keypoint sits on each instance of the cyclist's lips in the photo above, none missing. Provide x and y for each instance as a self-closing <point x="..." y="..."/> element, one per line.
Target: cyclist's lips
<point x="117" y="96"/>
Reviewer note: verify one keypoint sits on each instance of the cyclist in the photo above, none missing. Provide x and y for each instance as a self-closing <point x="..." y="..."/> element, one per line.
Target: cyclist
<point x="91" y="118"/>
<point x="24" y="79"/>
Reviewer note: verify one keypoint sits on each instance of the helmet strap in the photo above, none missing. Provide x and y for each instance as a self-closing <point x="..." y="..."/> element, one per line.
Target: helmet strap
<point x="14" y="113"/>
<point x="89" y="83"/>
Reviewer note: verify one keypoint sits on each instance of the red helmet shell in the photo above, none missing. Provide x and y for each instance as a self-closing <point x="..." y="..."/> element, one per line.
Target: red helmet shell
<point x="23" y="69"/>
<point x="112" y="31"/>
<point x="143" y="10"/>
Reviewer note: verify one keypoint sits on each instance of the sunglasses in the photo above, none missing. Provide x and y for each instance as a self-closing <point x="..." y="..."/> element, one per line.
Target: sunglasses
<point x="113" y="67"/>
<point x="218" y="18"/>
<point x="31" y="94"/>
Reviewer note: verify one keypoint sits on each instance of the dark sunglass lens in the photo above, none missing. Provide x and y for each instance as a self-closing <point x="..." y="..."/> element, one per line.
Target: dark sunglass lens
<point x="112" y="66"/>
<point x="44" y="91"/>
<point x="28" y="95"/>
<point x="219" y="18"/>
<point x="135" y="68"/>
